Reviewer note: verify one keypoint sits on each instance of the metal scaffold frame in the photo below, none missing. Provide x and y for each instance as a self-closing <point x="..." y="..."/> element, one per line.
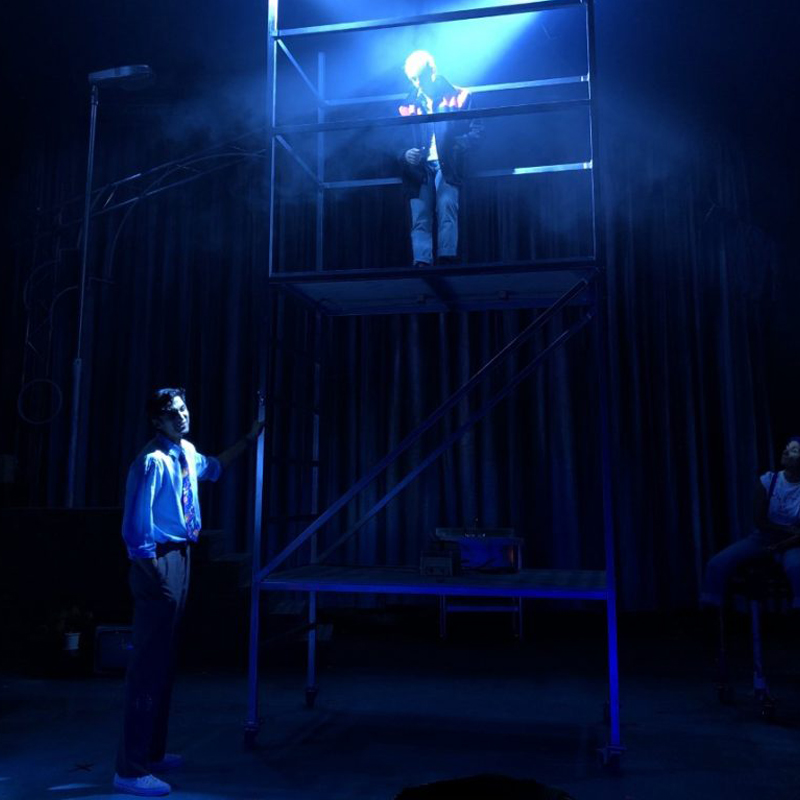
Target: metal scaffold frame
<point x="551" y="285"/>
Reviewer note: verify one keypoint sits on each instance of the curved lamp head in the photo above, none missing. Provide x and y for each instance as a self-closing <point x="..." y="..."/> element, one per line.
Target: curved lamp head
<point x="135" y="76"/>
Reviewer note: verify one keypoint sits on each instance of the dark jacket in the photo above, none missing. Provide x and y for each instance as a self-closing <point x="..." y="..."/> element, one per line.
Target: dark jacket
<point x="454" y="138"/>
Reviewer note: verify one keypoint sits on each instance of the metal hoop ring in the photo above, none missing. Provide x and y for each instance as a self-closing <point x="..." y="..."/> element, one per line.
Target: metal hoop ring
<point x="59" y="401"/>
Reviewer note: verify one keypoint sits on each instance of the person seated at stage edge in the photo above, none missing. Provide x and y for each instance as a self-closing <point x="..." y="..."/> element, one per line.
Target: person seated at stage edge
<point x="160" y="523"/>
<point x="433" y="161"/>
<point x="776" y="535"/>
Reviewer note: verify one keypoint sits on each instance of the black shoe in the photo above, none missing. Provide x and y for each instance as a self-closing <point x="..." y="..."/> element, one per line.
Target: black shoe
<point x="448" y="259"/>
<point x="421" y="264"/>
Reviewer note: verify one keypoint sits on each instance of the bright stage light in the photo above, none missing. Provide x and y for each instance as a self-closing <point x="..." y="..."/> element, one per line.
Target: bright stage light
<point x="465" y="50"/>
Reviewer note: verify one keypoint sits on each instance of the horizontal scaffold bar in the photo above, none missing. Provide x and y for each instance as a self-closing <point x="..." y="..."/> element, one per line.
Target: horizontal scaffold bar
<point x="429" y="19"/>
<point x="481" y="88"/>
<point x="444" y="116"/>
<point x="487" y="173"/>
<point x="577" y="166"/>
<point x="564" y="584"/>
<point x="443" y="271"/>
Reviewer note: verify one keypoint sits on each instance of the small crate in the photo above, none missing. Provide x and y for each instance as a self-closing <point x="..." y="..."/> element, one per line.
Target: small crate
<point x="485" y="549"/>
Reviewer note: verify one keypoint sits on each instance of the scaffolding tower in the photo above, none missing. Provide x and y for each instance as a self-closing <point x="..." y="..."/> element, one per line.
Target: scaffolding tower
<point x="550" y="285"/>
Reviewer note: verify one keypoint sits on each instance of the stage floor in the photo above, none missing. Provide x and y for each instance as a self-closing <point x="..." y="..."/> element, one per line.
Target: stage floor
<point x="398" y="707"/>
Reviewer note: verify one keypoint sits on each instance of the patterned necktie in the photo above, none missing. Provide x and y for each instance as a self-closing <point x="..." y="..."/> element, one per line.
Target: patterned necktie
<point x="187" y="501"/>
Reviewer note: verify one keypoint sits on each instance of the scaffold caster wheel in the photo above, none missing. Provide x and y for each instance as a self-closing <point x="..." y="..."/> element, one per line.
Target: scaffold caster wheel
<point x="250" y="735"/>
<point x="610" y="759"/>
<point x="726" y="694"/>
<point x="311" y="696"/>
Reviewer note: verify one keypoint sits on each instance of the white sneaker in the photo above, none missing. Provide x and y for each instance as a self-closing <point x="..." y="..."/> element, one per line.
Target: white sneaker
<point x="144" y="786"/>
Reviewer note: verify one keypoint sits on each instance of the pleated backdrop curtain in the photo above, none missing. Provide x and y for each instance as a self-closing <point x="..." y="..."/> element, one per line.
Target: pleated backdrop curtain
<point x="178" y="292"/>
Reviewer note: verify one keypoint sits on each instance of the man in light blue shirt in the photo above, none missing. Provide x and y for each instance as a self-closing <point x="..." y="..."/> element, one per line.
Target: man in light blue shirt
<point x="161" y="521"/>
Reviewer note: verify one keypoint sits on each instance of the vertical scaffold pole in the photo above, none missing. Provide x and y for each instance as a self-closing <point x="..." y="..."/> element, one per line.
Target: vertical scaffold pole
<point x="252" y="720"/>
<point x="320" y="218"/>
<point x="614" y="748"/>
<point x="272" y="117"/>
<point x="311" y="672"/>
<point x="318" y="345"/>
<point x="591" y="70"/>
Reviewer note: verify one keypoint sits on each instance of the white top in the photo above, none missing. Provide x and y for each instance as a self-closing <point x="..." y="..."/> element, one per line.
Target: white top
<point x="784" y="505"/>
<point x="433" y="153"/>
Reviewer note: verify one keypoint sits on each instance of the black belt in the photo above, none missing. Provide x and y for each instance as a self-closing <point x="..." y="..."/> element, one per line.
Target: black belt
<point x="162" y="548"/>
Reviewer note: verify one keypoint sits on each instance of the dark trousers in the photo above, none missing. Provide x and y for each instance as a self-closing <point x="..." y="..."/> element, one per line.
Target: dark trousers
<point x="158" y="606"/>
<point x="721" y="568"/>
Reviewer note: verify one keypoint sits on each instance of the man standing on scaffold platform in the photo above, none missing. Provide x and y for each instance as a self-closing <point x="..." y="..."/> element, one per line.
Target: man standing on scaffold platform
<point x="433" y="167"/>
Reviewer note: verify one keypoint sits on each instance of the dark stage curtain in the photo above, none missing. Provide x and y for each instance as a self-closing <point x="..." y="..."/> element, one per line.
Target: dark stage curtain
<point x="178" y="296"/>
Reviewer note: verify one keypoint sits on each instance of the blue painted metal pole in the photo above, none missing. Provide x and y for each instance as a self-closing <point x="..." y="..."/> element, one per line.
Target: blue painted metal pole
<point x="311" y="674"/>
<point x="252" y="721"/>
<point x="609" y="536"/>
<point x="452" y="401"/>
<point x="319" y="266"/>
<point x="591" y="68"/>
<point x="317" y="404"/>
<point x="614" y="748"/>
<point x="759" y="683"/>
<point x="320" y="215"/>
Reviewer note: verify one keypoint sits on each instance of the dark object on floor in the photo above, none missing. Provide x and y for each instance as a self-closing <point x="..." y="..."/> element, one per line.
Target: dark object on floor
<point x="484" y="787"/>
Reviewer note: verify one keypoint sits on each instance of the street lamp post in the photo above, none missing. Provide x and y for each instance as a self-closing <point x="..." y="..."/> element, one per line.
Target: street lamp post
<point x="130" y="77"/>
